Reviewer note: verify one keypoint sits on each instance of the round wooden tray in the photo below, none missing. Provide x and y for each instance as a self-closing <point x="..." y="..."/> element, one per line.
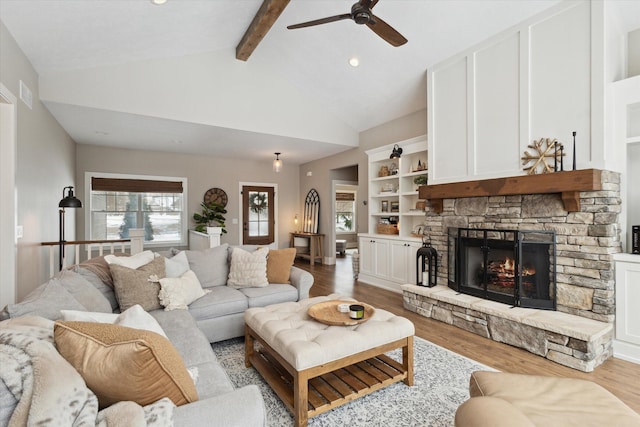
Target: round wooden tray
<point x="327" y="313"/>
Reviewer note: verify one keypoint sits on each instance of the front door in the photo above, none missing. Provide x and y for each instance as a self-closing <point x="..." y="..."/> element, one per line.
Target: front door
<point x="258" y="215"/>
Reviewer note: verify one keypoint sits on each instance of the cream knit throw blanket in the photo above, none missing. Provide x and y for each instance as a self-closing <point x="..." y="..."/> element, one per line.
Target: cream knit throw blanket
<point x="50" y="392"/>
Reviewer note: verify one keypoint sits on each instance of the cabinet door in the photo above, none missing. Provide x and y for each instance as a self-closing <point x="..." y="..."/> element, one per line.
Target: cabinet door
<point x="402" y="260"/>
<point x="381" y="257"/>
<point x="366" y="255"/>
<point x="627" y="296"/>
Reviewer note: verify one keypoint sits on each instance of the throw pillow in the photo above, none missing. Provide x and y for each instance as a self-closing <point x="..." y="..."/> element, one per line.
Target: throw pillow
<point x="179" y="292"/>
<point x="140" y="286"/>
<point x="106" y="289"/>
<point x="133" y="261"/>
<point x="120" y="363"/>
<point x="279" y="264"/>
<point x="210" y="265"/>
<point x="46" y="300"/>
<point x="84" y="292"/>
<point x="135" y="317"/>
<point x="177" y="265"/>
<point x="248" y="269"/>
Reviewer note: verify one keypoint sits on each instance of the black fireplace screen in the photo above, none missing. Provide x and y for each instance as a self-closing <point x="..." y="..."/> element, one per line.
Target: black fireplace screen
<point x="516" y="267"/>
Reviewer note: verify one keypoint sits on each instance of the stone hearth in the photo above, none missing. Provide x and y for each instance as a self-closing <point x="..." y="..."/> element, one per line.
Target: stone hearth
<point x="585" y="242"/>
<point x="573" y="341"/>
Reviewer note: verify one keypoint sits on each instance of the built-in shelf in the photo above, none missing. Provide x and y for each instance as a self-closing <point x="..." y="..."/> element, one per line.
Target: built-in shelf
<point x="568" y="183"/>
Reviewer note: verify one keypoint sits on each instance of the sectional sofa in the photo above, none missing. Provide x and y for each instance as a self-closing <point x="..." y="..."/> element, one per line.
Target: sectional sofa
<point x="217" y="315"/>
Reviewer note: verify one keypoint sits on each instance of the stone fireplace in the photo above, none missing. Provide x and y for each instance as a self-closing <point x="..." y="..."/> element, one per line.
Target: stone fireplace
<point x="579" y="333"/>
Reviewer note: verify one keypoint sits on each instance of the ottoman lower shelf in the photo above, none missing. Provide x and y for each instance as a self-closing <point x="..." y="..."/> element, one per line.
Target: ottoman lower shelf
<point x="321" y="388"/>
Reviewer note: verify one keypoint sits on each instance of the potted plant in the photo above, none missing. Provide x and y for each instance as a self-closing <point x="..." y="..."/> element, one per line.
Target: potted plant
<point x="420" y="180"/>
<point x="212" y="216"/>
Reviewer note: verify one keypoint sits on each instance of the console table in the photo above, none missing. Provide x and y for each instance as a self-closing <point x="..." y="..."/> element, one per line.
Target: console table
<point x="316" y="242"/>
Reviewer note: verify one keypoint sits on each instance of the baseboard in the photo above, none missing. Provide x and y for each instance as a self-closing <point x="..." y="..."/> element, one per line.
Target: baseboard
<point x="626" y="351"/>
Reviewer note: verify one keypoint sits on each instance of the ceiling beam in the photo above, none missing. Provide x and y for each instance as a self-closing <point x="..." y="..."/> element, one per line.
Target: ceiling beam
<point x="260" y="26"/>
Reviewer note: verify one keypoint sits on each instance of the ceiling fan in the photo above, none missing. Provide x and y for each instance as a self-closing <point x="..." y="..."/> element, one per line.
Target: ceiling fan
<point x="361" y="14"/>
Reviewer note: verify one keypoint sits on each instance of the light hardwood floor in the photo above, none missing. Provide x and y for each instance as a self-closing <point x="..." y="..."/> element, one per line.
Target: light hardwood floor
<point x="618" y="376"/>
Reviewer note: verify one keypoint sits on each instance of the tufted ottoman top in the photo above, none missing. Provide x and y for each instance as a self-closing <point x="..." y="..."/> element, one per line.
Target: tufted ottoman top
<point x="305" y="343"/>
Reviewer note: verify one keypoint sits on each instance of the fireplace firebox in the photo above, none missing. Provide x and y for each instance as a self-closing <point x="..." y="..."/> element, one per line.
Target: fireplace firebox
<point x="516" y="267"/>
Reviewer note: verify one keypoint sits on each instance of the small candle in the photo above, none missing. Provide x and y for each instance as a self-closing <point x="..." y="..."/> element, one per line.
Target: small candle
<point x="425" y="278"/>
<point x="356" y="311"/>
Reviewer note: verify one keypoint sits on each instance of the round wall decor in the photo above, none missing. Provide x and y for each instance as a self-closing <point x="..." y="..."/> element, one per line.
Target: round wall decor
<point x="216" y="195"/>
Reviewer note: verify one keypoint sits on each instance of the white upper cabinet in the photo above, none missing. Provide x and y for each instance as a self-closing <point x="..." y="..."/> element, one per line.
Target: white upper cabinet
<point x="541" y="79"/>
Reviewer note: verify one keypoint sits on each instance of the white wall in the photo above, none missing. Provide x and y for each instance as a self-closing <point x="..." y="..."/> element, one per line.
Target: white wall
<point x="45" y="165"/>
<point x="202" y="172"/>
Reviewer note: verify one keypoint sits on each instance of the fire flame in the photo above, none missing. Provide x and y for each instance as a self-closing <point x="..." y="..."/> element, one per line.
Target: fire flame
<point x="509" y="265"/>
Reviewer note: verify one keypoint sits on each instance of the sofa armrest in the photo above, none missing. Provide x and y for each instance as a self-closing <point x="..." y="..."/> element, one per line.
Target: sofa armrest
<point x="243" y="407"/>
<point x="302" y="280"/>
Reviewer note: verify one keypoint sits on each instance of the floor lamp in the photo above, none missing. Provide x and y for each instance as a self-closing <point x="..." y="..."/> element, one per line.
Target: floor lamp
<point x="68" y="201"/>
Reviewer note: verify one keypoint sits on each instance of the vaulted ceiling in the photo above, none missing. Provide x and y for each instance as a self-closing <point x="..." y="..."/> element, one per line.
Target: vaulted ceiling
<point x="138" y="75"/>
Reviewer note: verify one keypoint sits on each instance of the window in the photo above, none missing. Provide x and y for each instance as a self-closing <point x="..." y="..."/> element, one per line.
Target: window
<point x="119" y="203"/>
<point x="345" y="212"/>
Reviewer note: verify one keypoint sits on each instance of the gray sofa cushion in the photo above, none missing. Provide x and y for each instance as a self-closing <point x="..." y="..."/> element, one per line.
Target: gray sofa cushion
<point x="46" y="300"/>
<point x="272" y="294"/>
<point x="211" y="265"/>
<point x="105" y="290"/>
<point x="222" y="300"/>
<point x="84" y="292"/>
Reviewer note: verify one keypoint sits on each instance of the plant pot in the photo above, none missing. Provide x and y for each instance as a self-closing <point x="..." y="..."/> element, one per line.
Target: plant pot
<point x="214" y="230"/>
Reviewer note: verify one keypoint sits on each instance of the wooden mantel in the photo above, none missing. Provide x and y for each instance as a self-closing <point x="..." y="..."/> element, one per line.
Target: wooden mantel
<point x="569" y="184"/>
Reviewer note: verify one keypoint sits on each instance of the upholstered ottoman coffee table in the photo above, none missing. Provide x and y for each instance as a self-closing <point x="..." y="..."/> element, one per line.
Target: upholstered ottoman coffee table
<point x="314" y="367"/>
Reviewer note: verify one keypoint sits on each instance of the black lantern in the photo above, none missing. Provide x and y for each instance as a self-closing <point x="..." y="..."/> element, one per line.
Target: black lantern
<point x="396" y="152"/>
<point x="426" y="265"/>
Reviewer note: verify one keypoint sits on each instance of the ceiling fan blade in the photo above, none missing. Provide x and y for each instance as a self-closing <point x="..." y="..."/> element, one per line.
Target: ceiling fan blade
<point x="320" y="21"/>
<point x="386" y="31"/>
<point x="373" y="3"/>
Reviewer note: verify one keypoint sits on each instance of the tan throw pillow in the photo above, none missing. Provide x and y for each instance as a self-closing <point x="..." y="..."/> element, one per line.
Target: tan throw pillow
<point x="279" y="264"/>
<point x="120" y="363"/>
<point x="137" y="286"/>
<point x="248" y="269"/>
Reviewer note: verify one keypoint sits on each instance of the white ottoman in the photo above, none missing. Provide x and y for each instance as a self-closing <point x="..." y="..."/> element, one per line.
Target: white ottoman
<point x="299" y="354"/>
<point x="341" y="246"/>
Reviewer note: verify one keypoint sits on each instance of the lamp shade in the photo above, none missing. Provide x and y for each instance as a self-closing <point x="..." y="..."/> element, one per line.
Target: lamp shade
<point x="69" y="200"/>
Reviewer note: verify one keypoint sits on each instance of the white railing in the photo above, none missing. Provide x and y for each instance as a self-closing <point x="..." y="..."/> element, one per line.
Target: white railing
<point x="135" y="244"/>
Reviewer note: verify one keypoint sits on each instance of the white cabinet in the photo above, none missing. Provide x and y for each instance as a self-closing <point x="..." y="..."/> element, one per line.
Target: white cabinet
<point x="626" y="344"/>
<point x="387" y="262"/>
<point x="374" y="257"/>
<point x="402" y="261"/>
<point x="393" y="193"/>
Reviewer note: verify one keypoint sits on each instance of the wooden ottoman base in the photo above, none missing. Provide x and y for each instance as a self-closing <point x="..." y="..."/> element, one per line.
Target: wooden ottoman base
<point x="315" y="390"/>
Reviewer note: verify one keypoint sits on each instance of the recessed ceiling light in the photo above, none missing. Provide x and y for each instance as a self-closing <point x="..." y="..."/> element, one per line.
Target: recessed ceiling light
<point x="158" y="1"/>
<point x="354" y="62"/>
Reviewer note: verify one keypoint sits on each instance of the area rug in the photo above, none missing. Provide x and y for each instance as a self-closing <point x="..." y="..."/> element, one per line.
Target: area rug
<point x="441" y="384"/>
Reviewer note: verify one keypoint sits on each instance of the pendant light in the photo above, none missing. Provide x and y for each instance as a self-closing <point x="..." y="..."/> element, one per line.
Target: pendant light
<point x="277" y="163"/>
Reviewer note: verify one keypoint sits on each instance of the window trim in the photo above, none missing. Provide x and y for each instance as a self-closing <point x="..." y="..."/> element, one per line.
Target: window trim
<point x="185" y="203"/>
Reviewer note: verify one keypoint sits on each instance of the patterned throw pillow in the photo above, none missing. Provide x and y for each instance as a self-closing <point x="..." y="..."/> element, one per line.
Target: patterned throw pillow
<point x="139" y="286"/>
<point x="120" y="363"/>
<point x="248" y="269"/>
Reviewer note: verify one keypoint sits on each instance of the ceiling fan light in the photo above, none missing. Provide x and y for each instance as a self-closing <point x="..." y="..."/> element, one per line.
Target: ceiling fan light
<point x="354" y="62"/>
<point x="277" y="163"/>
<point x="158" y="2"/>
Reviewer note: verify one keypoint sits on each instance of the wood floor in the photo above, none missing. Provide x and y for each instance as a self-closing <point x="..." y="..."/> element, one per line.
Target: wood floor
<point x="618" y="376"/>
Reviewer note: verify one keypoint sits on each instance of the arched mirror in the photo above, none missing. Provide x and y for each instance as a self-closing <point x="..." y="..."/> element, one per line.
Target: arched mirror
<point x="311" y="212"/>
